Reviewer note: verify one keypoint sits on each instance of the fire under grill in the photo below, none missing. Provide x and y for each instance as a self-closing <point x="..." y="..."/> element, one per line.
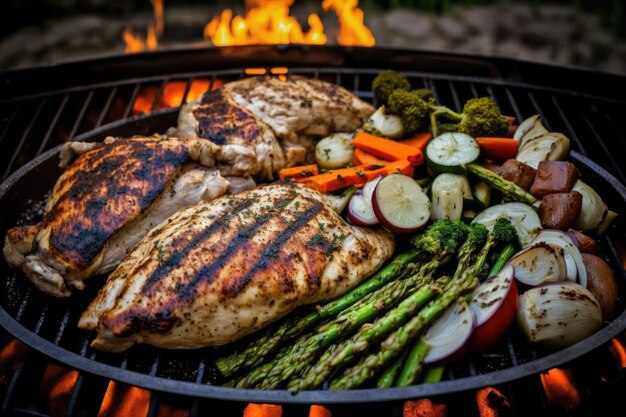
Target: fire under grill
<point x="88" y="100"/>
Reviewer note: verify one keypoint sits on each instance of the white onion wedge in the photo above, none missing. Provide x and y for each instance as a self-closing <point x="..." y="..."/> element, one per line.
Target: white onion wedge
<point x="493" y="304"/>
<point x="539" y="264"/>
<point x="523" y="217"/>
<point x="558" y="315"/>
<point x="551" y="146"/>
<point x="593" y="210"/>
<point x="449" y="335"/>
<point x="574" y="264"/>
<point x="528" y="129"/>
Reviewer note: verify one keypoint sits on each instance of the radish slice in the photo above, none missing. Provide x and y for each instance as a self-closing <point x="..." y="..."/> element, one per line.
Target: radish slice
<point x="539" y="264"/>
<point x="400" y="204"/>
<point x="449" y="336"/>
<point x="493" y="303"/>
<point x="576" y="271"/>
<point x="360" y="211"/>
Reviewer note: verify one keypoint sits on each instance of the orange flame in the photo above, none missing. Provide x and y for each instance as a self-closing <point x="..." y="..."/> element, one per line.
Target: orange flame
<point x="491" y="402"/>
<point x="619" y="352"/>
<point x="319" y="411"/>
<point x="424" y="408"/>
<point x="560" y="390"/>
<point x="352" y="29"/>
<point x="134" y="43"/>
<point x="172" y="95"/>
<point x="267" y="22"/>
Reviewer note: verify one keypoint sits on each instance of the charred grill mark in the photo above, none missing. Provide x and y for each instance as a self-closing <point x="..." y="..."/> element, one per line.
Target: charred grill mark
<point x="175" y="259"/>
<point x="239" y="283"/>
<point x="240" y="243"/>
<point x="140" y="319"/>
<point x="134" y="173"/>
<point x="220" y="121"/>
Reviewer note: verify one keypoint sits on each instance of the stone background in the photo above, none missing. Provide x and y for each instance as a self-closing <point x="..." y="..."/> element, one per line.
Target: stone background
<point x="560" y="35"/>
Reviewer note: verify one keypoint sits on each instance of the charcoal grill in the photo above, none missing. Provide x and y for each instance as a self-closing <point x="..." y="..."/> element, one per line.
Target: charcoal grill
<point x="88" y="100"/>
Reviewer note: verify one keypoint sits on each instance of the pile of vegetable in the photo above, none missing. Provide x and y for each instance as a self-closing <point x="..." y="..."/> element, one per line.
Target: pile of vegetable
<point x="496" y="234"/>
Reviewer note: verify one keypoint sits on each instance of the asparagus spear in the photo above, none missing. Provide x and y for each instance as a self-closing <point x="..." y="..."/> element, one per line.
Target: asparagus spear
<point x="507" y="188"/>
<point x="308" y="348"/>
<point x="414" y="363"/>
<point x="364" y="338"/>
<point x="464" y="281"/>
<point x="259" y="348"/>
<point x="387" y="379"/>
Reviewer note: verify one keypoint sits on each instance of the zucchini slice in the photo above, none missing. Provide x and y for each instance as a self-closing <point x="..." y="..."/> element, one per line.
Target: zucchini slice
<point x="449" y="152"/>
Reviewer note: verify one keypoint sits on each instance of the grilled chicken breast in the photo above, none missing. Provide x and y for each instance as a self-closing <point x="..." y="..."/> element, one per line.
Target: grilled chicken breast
<point x="110" y="197"/>
<point x="216" y="272"/>
<point x="279" y="120"/>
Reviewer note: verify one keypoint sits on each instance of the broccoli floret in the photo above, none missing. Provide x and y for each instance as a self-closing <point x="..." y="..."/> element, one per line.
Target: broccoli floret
<point x="504" y="231"/>
<point x="477" y="235"/>
<point x="481" y="117"/>
<point x="386" y="83"/>
<point x="425" y="94"/>
<point x="442" y="238"/>
<point x="414" y="112"/>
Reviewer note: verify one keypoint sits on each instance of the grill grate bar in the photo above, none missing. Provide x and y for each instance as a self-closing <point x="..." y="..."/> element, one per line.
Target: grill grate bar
<point x="158" y="95"/>
<point x="23" y="304"/>
<point x="568" y="124"/>
<point x="81" y="115"/>
<point x="131" y="102"/>
<point x="107" y="106"/>
<point x="190" y="81"/>
<point x="22" y="141"/>
<point x="455" y="97"/>
<point x="73" y="400"/>
<point x="8" y="395"/>
<point x="518" y="114"/>
<point x="53" y="124"/>
<point x="605" y="150"/>
<point x="9" y="122"/>
<point x="62" y="326"/>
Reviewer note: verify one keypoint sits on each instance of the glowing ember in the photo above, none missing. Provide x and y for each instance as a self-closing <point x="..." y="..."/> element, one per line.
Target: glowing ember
<point x="56" y="388"/>
<point x="424" y="408"/>
<point x="262" y="410"/>
<point x="319" y="411"/>
<point x="11" y="356"/>
<point x="492" y="403"/>
<point x="123" y="400"/>
<point x="172" y="95"/>
<point x="619" y="352"/>
<point x="560" y="390"/>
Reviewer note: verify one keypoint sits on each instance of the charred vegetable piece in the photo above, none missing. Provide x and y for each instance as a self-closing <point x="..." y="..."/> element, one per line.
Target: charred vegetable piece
<point x="519" y="173"/>
<point x="601" y="283"/>
<point x="554" y="177"/>
<point x="560" y="210"/>
<point x="298" y="172"/>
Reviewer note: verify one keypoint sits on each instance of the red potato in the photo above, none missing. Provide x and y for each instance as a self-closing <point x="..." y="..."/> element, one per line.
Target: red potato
<point x="554" y="177"/>
<point x="601" y="283"/>
<point x="584" y="243"/>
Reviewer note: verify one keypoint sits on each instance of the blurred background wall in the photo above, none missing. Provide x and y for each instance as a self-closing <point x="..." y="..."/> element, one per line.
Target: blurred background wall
<point x="590" y="34"/>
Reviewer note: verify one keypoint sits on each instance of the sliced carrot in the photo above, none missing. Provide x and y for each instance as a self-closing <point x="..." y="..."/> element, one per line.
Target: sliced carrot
<point x="358" y="175"/>
<point x="387" y="149"/>
<point x="364" y="158"/>
<point x="298" y="172"/>
<point x="419" y="141"/>
<point x="498" y="148"/>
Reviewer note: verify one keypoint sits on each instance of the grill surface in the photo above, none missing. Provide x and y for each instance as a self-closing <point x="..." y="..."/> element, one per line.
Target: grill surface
<point x="33" y="122"/>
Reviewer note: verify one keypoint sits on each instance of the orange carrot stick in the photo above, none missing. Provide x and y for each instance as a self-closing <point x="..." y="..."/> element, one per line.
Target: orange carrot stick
<point x="498" y="148"/>
<point x="419" y="140"/>
<point x="358" y="175"/>
<point x="363" y="158"/>
<point x="298" y="172"/>
<point x="387" y="149"/>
